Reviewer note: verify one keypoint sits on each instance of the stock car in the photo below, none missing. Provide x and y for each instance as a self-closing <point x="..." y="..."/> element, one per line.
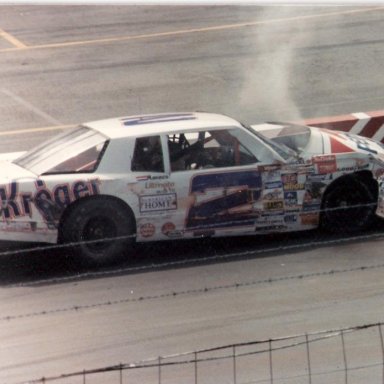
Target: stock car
<point x="104" y="185"/>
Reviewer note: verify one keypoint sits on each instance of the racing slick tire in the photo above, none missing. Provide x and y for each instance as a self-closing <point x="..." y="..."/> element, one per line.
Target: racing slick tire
<point x="348" y="206"/>
<point x="100" y="229"/>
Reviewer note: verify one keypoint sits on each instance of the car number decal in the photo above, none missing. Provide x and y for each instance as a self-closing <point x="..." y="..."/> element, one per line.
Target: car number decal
<point x="231" y="204"/>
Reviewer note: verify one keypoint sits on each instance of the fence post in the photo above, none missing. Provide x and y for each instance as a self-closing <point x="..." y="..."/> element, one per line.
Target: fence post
<point x="308" y="358"/>
<point x="159" y="369"/>
<point x="270" y="361"/>
<point x="344" y="357"/>
<point x="234" y="365"/>
<point x="195" y="367"/>
<point x="382" y="347"/>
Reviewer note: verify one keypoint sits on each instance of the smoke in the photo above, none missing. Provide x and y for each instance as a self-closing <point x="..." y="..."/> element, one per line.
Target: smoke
<point x="269" y="79"/>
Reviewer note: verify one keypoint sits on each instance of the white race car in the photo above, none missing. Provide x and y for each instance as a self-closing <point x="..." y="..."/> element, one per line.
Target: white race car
<point x="105" y="184"/>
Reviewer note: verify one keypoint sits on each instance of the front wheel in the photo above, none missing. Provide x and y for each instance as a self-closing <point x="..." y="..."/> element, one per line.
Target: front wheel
<point x="101" y="231"/>
<point x="348" y="207"/>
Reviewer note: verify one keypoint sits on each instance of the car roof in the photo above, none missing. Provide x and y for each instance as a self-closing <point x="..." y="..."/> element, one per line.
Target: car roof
<point x="146" y="125"/>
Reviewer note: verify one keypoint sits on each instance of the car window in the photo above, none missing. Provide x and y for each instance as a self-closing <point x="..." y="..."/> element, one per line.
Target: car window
<point x="75" y="151"/>
<point x="148" y="155"/>
<point x="207" y="149"/>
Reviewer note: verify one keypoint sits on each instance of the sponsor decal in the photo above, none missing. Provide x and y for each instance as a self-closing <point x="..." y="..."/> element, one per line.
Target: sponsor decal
<point x="274" y="195"/>
<point x="290" y="219"/>
<point x="149" y="177"/>
<point x="291" y="182"/>
<point x="310" y="207"/>
<point x="362" y="143"/>
<point x="314" y="191"/>
<point x="142" y="178"/>
<point x="319" y="178"/>
<point x="309" y="219"/>
<point x="289" y="178"/>
<point x="272" y="177"/>
<point x="175" y="234"/>
<point x="50" y="202"/>
<point x="273" y="205"/>
<point x="166" y="187"/>
<point x="270" y="220"/>
<point x="147" y="230"/>
<point x="324" y="158"/>
<point x="271" y="228"/>
<point x="353" y="168"/>
<point x="17" y="226"/>
<point x="169" y="229"/>
<point x="290" y="199"/>
<point x="160" y="177"/>
<point x="158" y="203"/>
<point x="269" y="168"/>
<point x="273" y="185"/>
<point x="294" y="187"/>
<point x="325" y="164"/>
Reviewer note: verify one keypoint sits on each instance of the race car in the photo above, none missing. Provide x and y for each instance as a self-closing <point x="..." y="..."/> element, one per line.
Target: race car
<point x="104" y="185"/>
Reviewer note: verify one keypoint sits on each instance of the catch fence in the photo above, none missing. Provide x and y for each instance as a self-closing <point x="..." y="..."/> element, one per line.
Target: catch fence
<point x="349" y="355"/>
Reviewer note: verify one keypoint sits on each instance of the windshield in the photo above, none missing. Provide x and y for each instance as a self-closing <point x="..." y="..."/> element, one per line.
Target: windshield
<point x="75" y="151"/>
<point x="284" y="151"/>
<point x="295" y="137"/>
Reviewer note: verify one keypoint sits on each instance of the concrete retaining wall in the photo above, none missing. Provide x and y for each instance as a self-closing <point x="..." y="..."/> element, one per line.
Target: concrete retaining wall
<point x="368" y="124"/>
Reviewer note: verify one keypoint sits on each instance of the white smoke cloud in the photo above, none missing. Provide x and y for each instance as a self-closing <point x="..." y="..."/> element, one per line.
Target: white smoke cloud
<point x="268" y="81"/>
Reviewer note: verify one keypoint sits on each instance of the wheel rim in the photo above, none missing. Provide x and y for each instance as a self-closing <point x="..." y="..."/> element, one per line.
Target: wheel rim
<point x="96" y="231"/>
<point x="347" y="205"/>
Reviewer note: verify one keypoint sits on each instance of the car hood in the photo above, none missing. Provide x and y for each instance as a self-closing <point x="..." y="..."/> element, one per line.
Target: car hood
<point x="337" y="142"/>
<point x="311" y="141"/>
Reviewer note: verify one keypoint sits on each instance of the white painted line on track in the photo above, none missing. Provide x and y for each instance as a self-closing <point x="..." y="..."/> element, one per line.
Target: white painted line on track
<point x="35" y="130"/>
<point x="30" y="106"/>
<point x="12" y="39"/>
<point x="195" y="30"/>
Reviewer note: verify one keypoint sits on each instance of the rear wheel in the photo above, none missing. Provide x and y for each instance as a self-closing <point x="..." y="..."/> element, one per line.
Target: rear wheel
<point x="101" y="231"/>
<point x="349" y="206"/>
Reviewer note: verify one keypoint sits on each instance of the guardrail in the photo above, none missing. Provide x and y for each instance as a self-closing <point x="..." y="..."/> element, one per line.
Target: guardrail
<point x="348" y="355"/>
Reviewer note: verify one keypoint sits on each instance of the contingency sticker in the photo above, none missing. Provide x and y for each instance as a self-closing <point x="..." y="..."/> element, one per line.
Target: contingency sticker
<point x="158" y="203"/>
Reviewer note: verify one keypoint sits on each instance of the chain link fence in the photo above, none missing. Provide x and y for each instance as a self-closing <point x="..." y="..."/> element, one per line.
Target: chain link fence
<point x="349" y="355"/>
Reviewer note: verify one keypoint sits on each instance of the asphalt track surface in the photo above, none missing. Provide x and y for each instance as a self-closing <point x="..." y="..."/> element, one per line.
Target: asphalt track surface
<point x="63" y="65"/>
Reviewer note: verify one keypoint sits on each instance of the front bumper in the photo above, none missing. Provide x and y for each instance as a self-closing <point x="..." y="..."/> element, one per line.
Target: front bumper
<point x="380" y="200"/>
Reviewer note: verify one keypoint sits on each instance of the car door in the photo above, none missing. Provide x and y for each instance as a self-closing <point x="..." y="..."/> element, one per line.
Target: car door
<point x="154" y="196"/>
<point x="219" y="183"/>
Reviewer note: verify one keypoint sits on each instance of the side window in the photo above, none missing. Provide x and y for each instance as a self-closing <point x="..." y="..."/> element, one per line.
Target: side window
<point x="209" y="149"/>
<point x="148" y="155"/>
<point x="185" y="150"/>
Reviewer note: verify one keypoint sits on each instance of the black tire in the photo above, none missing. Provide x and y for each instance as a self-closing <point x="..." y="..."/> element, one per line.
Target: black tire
<point x="93" y="220"/>
<point x="348" y="206"/>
